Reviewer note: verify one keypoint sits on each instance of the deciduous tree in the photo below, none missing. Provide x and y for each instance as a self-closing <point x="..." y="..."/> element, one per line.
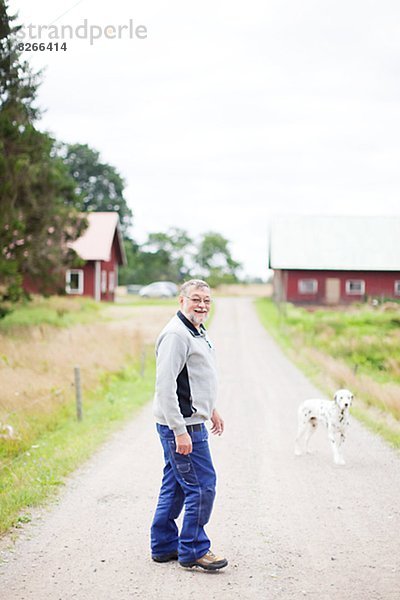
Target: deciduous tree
<point x="215" y="260"/>
<point x="98" y="185"/>
<point x="174" y="256"/>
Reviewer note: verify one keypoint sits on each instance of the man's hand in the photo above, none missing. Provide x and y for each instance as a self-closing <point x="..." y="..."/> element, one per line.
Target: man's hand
<point x="183" y="443"/>
<point x="217" y="423"/>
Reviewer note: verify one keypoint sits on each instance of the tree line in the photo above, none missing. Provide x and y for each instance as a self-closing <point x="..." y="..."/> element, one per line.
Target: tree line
<point x="46" y="187"/>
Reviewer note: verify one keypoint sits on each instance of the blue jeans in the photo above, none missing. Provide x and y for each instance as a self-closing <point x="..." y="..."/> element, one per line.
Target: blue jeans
<point x="188" y="480"/>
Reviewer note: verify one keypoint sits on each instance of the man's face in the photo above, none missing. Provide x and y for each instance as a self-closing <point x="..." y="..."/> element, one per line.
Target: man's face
<point x="196" y="304"/>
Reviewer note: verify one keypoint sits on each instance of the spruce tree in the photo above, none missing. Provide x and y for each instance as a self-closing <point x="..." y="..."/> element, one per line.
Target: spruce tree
<point x="38" y="212"/>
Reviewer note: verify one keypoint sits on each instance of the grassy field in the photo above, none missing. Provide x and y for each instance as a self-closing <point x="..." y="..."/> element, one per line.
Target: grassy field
<point x="57" y="311"/>
<point x="40" y="343"/>
<point x="31" y="476"/>
<point x="356" y="347"/>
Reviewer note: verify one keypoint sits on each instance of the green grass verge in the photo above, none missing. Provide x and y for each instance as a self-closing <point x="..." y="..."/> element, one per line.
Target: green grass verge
<point x="35" y="475"/>
<point x="55" y="311"/>
<point x="377" y="426"/>
<point x="361" y="337"/>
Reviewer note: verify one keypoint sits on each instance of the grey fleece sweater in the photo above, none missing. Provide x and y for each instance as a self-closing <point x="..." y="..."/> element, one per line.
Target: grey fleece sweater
<point x="186" y="378"/>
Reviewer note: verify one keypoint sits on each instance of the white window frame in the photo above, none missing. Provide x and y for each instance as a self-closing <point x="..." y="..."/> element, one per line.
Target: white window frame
<point x="79" y="289"/>
<point x="397" y="287"/>
<point x="111" y="281"/>
<point x="97" y="275"/>
<point x="359" y="292"/>
<point x="103" y="285"/>
<point x="307" y="286"/>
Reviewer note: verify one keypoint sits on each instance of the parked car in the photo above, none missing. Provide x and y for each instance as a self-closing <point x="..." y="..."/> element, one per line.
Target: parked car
<point x="159" y="289"/>
<point x="132" y="288"/>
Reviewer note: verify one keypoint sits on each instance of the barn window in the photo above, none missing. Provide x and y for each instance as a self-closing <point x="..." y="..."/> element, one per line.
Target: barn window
<point x="74" y="281"/>
<point x="355" y="287"/>
<point x="307" y="286"/>
<point x="397" y="288"/>
<point x="103" y="282"/>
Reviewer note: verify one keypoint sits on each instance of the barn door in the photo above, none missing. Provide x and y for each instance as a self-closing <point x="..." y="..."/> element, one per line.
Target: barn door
<point x="332" y="290"/>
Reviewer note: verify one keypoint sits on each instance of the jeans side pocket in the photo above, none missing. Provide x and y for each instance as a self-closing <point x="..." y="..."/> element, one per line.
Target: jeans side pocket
<point x="184" y="466"/>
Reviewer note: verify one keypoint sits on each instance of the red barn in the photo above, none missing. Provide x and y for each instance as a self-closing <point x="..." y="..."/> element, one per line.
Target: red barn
<point x="102" y="248"/>
<point x="335" y="260"/>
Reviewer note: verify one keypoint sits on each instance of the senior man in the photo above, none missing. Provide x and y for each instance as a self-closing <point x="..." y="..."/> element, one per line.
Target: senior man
<point x="186" y="388"/>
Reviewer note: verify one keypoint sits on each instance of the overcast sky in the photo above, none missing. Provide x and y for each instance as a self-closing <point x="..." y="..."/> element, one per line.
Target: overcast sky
<point x="231" y="112"/>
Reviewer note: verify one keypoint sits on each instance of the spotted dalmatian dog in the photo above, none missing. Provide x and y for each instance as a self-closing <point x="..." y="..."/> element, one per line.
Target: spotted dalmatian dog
<point x="334" y="414"/>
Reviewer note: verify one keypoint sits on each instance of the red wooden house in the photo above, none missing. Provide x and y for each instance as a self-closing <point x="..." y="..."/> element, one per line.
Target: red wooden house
<point x="102" y="248"/>
<point x="335" y="260"/>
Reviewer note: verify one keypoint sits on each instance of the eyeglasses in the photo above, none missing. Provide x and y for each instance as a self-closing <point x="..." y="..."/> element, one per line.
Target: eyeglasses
<point x="197" y="300"/>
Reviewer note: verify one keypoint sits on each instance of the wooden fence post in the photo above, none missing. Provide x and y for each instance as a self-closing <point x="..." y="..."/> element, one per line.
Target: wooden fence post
<point x="78" y="393"/>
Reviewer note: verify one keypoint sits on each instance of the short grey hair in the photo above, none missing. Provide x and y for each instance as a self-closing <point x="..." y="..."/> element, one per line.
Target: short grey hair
<point x="195" y="283"/>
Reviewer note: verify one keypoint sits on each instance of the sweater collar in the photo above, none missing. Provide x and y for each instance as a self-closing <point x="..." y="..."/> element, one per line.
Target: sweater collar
<point x="193" y="330"/>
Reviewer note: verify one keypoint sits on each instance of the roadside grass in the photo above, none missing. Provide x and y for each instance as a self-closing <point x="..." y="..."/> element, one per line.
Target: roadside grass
<point x="29" y="478"/>
<point x="57" y="311"/>
<point x="40" y="344"/>
<point x="357" y="348"/>
<point x="364" y="338"/>
<point x="37" y="366"/>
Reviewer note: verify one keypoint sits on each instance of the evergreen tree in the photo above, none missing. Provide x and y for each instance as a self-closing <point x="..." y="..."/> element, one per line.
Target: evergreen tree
<point x="36" y="193"/>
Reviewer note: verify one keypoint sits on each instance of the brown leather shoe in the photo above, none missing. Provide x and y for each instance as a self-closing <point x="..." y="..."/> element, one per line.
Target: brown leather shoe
<point x="209" y="562"/>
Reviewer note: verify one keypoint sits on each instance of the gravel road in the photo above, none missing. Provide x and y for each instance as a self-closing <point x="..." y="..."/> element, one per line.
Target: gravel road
<point x="291" y="527"/>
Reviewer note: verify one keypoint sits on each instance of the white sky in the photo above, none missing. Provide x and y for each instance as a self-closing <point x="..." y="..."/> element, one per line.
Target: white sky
<point x="231" y="112"/>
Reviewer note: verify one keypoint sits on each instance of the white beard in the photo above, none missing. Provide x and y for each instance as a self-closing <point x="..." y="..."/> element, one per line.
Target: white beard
<point x="198" y="318"/>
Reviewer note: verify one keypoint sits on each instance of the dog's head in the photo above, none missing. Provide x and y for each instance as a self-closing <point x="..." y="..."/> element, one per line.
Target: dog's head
<point x="343" y="398"/>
